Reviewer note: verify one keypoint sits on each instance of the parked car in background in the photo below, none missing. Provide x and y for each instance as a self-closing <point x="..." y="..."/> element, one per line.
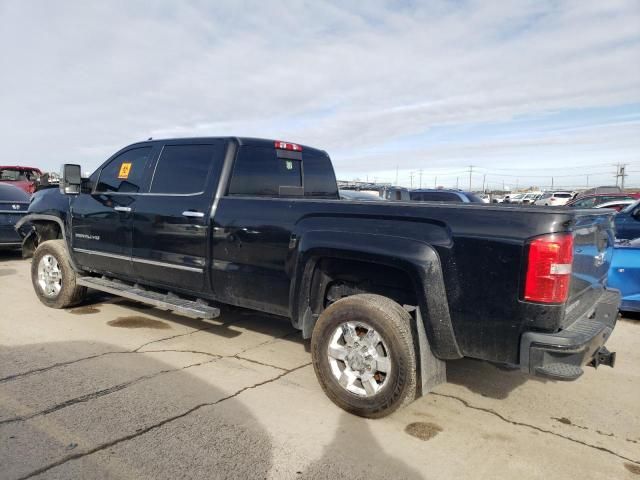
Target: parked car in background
<point x="617" y="205"/>
<point x="530" y="198"/>
<point x="443" y="195"/>
<point x="25" y="178"/>
<point x="14" y="204"/>
<point x="514" y="198"/>
<point x="627" y="222"/>
<point x="624" y="273"/>
<point x="360" y="196"/>
<point x="497" y="199"/>
<point x="593" y="200"/>
<point x="485" y="198"/>
<point x="554" y="199"/>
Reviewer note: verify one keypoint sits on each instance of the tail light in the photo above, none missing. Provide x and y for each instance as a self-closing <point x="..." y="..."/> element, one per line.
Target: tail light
<point x="552" y="199"/>
<point x="549" y="268"/>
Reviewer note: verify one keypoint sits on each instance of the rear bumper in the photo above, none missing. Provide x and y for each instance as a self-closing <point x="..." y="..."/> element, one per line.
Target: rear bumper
<point x="562" y="355"/>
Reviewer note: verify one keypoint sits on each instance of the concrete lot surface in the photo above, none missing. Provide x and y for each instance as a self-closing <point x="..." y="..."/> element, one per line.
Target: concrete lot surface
<point x="113" y="389"/>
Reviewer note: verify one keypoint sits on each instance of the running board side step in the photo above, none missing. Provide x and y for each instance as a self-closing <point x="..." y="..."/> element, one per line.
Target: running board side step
<point x="159" y="300"/>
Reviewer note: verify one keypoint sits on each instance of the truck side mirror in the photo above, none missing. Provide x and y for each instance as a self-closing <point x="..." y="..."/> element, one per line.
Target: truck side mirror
<point x="71" y="182"/>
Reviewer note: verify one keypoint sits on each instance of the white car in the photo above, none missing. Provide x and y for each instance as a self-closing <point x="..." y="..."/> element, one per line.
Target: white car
<point x="554" y="199"/>
<point x="515" y="198"/>
<point x="530" y="198"/>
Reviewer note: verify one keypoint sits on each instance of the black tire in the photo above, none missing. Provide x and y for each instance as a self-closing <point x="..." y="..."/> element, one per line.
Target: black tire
<point x="70" y="293"/>
<point x="393" y="325"/>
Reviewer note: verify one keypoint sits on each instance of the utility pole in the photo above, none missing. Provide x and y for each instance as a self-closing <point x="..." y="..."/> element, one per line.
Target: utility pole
<point x="435" y="182"/>
<point x="551" y="183"/>
<point x="587" y="181"/>
<point x="484" y="183"/>
<point x="411" y="178"/>
<point x="457" y="183"/>
<point x="622" y="175"/>
<point x="470" y="174"/>
<point x="396" y="175"/>
<point x="420" y="171"/>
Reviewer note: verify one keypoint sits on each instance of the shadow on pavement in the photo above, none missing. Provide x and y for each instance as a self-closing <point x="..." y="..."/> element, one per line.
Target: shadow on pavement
<point x="355" y="454"/>
<point x="138" y="431"/>
<point x="486" y="379"/>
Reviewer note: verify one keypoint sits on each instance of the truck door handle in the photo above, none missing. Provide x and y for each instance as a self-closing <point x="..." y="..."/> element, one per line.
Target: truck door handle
<point x="191" y="213"/>
<point x="122" y="209"/>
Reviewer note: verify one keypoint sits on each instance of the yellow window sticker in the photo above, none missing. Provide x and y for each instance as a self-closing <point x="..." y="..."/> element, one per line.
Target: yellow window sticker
<point x="125" y="168"/>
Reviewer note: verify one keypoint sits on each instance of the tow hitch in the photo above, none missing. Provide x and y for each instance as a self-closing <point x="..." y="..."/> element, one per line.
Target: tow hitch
<point x="603" y="357"/>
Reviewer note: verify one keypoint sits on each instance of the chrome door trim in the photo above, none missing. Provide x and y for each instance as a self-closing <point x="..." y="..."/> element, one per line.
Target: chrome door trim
<point x="139" y="260"/>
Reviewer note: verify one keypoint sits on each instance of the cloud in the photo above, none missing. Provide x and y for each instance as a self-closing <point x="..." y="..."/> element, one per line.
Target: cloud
<point x="82" y="79"/>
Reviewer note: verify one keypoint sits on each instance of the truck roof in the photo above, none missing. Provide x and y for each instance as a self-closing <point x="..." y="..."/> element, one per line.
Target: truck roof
<point x="245" y="141"/>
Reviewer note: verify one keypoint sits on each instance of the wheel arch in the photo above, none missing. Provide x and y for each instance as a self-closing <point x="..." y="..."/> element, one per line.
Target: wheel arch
<point x="417" y="260"/>
<point x="37" y="228"/>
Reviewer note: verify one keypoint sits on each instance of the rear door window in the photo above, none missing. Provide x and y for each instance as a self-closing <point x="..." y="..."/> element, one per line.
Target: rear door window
<point x="258" y="171"/>
<point x="184" y="169"/>
<point x="125" y="173"/>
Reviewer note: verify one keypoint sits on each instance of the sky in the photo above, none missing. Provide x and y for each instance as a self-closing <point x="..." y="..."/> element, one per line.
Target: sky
<point x="526" y="92"/>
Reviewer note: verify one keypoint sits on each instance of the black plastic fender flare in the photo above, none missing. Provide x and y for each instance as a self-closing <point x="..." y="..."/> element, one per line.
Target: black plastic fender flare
<point x="416" y="258"/>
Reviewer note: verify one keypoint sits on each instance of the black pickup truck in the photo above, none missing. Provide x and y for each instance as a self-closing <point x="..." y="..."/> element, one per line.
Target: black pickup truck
<point x="387" y="291"/>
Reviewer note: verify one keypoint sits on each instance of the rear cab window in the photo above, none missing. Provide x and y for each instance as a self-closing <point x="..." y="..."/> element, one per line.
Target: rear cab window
<point x="263" y="171"/>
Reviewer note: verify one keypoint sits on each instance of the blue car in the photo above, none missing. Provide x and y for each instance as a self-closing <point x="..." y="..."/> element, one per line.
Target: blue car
<point x="628" y="222"/>
<point x="624" y="273"/>
<point x="13" y="206"/>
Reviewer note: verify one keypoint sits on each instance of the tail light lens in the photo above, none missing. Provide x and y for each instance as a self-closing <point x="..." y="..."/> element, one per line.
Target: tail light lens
<point x="549" y="268"/>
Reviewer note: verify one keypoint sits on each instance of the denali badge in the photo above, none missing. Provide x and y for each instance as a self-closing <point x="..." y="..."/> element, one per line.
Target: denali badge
<point x="598" y="260"/>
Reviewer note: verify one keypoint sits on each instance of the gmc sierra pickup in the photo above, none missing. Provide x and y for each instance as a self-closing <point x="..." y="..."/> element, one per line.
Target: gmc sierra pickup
<point x="387" y="291"/>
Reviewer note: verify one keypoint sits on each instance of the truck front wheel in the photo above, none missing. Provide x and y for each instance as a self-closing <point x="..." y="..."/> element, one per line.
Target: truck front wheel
<point x="53" y="277"/>
<point x="364" y="356"/>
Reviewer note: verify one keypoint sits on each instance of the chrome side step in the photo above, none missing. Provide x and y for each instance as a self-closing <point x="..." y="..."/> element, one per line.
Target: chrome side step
<point x="159" y="300"/>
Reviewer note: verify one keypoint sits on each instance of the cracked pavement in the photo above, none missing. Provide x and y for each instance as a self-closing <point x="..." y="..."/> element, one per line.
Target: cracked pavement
<point x="114" y="389"/>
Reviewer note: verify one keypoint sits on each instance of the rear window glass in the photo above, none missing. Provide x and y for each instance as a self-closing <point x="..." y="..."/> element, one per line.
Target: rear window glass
<point x="473" y="198"/>
<point x="562" y="195"/>
<point x="18" y="175"/>
<point x="319" y="178"/>
<point x="183" y="169"/>
<point x="434" y="197"/>
<point x="257" y="171"/>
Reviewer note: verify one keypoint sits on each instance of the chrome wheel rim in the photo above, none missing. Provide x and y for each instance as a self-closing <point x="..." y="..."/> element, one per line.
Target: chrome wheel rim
<point x="359" y="359"/>
<point x="49" y="276"/>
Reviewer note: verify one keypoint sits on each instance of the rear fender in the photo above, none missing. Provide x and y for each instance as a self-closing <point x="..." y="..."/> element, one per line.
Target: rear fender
<point x="418" y="259"/>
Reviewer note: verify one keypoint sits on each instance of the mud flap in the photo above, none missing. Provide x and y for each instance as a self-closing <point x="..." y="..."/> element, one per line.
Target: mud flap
<point x="431" y="370"/>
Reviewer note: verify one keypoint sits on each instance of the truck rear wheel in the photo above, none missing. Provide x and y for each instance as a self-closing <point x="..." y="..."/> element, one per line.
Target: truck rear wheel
<point x="53" y="277"/>
<point x="364" y="356"/>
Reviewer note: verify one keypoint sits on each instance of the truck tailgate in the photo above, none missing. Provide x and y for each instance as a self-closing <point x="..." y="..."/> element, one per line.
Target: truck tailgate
<point x="592" y="252"/>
